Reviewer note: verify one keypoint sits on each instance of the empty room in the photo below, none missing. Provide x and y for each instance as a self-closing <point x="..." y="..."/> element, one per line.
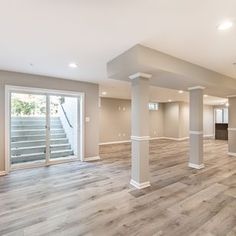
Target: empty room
<point x="118" y="118"/>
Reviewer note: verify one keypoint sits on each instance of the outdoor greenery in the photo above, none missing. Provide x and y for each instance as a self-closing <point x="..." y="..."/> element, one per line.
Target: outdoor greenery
<point x="33" y="105"/>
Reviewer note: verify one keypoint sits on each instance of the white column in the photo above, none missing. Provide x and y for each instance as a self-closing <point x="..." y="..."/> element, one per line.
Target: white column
<point x="196" y="127"/>
<point x="140" y="130"/>
<point x="232" y="126"/>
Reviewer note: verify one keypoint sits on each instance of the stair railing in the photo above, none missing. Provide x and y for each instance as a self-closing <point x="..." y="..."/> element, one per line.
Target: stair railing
<point x="67" y="119"/>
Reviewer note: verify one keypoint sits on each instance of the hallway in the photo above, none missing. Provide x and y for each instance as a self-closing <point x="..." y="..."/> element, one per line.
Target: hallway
<point x="96" y="199"/>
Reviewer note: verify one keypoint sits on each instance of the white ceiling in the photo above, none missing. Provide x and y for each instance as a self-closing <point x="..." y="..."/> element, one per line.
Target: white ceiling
<point x="51" y="34"/>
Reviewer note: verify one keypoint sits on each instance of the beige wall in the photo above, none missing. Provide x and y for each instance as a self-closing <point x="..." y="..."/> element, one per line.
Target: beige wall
<point x="177" y="120"/>
<point x="183" y="120"/>
<point x="115" y="120"/>
<point x="208" y="120"/>
<point x="26" y="80"/>
<point x="156" y="119"/>
<point x="171" y="120"/>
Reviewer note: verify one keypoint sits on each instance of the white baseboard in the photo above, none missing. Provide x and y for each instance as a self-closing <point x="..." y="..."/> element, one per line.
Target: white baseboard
<point x="155" y="138"/>
<point x="196" y="166"/>
<point x="2" y="173"/>
<point x="232" y="154"/>
<point x="115" y="142"/>
<point x="140" y="185"/>
<point x="92" y="158"/>
<point x="170" y="138"/>
<point x="208" y="135"/>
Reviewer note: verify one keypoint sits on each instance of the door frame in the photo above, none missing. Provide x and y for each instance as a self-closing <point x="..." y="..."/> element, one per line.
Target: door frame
<point x="47" y="92"/>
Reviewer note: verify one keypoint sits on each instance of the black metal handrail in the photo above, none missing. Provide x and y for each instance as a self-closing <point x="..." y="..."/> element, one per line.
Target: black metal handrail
<point x="64" y="112"/>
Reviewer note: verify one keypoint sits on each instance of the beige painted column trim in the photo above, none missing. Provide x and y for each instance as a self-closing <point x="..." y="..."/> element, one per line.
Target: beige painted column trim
<point x="140" y="138"/>
<point x="231" y="129"/>
<point x="140" y="75"/>
<point x="196" y="132"/>
<point x="140" y="185"/>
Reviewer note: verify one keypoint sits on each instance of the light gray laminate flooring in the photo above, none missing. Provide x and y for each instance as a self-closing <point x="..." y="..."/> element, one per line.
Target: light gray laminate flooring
<point x="95" y="198"/>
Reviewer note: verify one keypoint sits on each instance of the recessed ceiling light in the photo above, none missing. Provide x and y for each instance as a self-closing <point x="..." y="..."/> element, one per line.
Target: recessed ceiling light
<point x="225" y="25"/>
<point x="181" y="91"/>
<point x="205" y="95"/>
<point x="169" y="100"/>
<point x="73" y="65"/>
<point x="104" y="93"/>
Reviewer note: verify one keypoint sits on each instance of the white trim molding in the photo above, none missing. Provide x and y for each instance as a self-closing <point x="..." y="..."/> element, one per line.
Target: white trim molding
<point x="140" y="185"/>
<point x="232" y="154"/>
<point x="115" y="142"/>
<point x="208" y="135"/>
<point x="140" y="138"/>
<point x="196" y="87"/>
<point x="196" y="166"/>
<point x="170" y="138"/>
<point x="154" y="138"/>
<point x="95" y="158"/>
<point x="140" y="75"/>
<point x="231" y="129"/>
<point x="2" y="173"/>
<point x="195" y="132"/>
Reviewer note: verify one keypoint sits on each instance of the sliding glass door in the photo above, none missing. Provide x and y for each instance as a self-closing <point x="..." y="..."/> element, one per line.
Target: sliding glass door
<point x="63" y="127"/>
<point x="44" y="128"/>
<point x="28" y="128"/>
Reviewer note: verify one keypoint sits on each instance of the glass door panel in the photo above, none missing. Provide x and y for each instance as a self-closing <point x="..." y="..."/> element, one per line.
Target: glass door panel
<point x="28" y="128"/>
<point x="63" y="127"/>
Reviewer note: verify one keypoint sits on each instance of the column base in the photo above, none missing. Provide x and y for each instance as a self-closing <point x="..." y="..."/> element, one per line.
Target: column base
<point x="232" y="154"/>
<point x="196" y="166"/>
<point x="140" y="185"/>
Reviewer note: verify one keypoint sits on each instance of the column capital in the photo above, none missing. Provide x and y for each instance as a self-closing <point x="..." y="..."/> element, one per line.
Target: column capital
<point x="196" y="87"/>
<point x="140" y="75"/>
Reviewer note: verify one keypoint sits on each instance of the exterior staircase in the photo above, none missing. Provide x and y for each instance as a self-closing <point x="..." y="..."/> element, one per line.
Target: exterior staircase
<point x="28" y="139"/>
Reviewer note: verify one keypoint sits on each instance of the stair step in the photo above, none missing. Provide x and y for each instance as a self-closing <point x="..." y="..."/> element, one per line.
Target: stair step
<point x="38" y="142"/>
<point x="35" y="122"/>
<point x="36" y="137"/>
<point x="38" y="149"/>
<point x="29" y="118"/>
<point x="40" y="156"/>
<point x="35" y="132"/>
<point x="33" y="127"/>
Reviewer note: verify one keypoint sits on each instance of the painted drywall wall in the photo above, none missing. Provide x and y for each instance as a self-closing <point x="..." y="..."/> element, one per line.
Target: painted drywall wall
<point x="115" y="120"/>
<point x="176" y="122"/>
<point x="70" y="107"/>
<point x="171" y="120"/>
<point x="208" y="120"/>
<point x="183" y="120"/>
<point x="156" y="119"/>
<point x="27" y="80"/>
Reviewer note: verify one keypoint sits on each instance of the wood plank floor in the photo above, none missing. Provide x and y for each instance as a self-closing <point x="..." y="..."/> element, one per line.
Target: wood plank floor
<point x="96" y="199"/>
